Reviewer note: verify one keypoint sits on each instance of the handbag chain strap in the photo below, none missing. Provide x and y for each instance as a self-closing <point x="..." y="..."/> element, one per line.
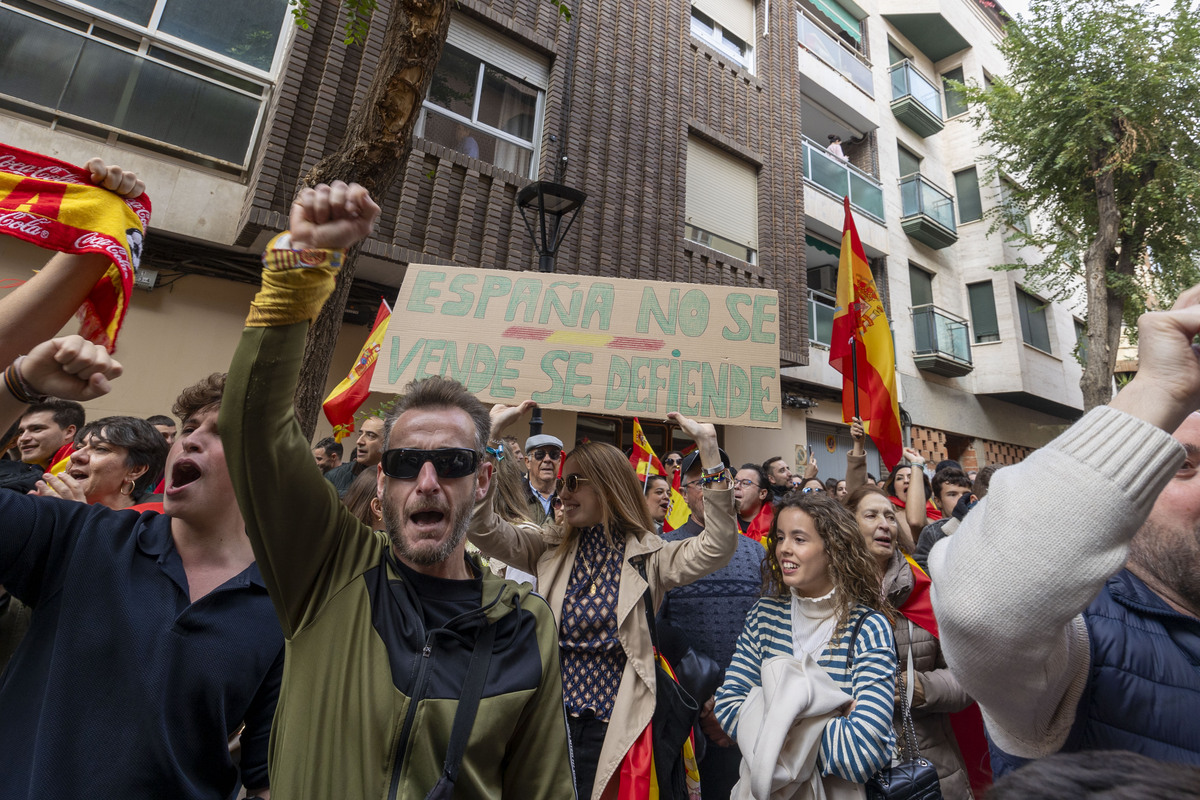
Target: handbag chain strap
<point x="911" y="751"/>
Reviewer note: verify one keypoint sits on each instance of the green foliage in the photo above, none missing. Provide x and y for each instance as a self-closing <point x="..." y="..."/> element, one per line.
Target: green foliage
<point x="1096" y="88"/>
<point x="359" y="12"/>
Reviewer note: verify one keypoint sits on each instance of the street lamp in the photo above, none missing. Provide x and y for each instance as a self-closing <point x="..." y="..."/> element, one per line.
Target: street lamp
<point x="555" y="207"/>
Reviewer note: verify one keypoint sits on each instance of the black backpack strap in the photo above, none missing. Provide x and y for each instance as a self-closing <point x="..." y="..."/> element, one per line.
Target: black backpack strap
<point x="648" y="601"/>
<point x="468" y="708"/>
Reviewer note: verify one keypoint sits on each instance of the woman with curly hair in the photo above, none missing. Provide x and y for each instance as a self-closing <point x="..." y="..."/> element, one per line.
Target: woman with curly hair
<point x="820" y="592"/>
<point x="936" y="693"/>
<point x="595" y="570"/>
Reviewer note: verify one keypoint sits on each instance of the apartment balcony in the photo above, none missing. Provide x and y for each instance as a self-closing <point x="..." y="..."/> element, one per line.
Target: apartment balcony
<point x="818" y="40"/>
<point x="843" y="179"/>
<point x="942" y="342"/>
<point x="927" y="212"/>
<point x="916" y="101"/>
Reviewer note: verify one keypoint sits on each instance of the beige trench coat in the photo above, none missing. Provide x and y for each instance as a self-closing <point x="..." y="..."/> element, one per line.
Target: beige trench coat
<point x="668" y="564"/>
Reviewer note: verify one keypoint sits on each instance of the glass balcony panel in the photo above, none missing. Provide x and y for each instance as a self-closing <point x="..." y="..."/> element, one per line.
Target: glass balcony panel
<point x="866" y="194"/>
<point x="919" y="196"/>
<point x="843" y="179"/>
<point x="941" y="341"/>
<point x="834" y="52"/>
<point x="820" y="318"/>
<point x="829" y="172"/>
<point x="906" y="80"/>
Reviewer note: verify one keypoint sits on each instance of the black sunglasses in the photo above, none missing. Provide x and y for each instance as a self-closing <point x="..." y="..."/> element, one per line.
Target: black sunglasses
<point x="539" y="453"/>
<point x="405" y="464"/>
<point x="673" y="461"/>
<point x="572" y="482"/>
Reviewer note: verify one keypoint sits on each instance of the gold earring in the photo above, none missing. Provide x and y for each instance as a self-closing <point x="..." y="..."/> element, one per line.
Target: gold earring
<point x="132" y="486"/>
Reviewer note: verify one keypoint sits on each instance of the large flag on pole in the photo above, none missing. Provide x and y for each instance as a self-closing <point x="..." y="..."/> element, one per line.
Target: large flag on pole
<point x="861" y="349"/>
<point x="346" y="398"/>
<point x="645" y="463"/>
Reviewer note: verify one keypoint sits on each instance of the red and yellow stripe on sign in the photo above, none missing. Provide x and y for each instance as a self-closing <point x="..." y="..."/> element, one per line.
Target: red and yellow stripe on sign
<point x="583" y="339"/>
<point x="861" y="335"/>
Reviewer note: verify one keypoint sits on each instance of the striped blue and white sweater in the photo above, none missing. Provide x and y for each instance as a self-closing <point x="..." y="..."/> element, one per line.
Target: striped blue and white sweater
<point x="853" y="747"/>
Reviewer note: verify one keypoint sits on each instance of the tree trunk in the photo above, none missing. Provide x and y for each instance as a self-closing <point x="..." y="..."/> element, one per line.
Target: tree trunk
<point x="1105" y="308"/>
<point x="374" y="152"/>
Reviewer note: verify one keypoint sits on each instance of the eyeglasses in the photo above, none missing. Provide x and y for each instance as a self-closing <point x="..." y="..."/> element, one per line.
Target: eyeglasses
<point x="540" y="453"/>
<point x="810" y="489"/>
<point x="746" y="483"/>
<point x="405" y="464"/>
<point x="556" y="502"/>
<point x="673" y="461"/>
<point x="572" y="482"/>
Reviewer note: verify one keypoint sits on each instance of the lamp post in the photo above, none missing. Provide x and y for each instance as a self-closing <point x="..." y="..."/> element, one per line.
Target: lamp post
<point x="553" y="207"/>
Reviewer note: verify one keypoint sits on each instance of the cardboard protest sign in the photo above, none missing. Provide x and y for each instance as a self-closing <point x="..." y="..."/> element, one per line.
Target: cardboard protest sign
<point x="600" y="345"/>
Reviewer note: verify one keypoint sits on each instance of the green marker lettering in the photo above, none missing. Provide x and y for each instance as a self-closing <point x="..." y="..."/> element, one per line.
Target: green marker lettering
<point x="423" y="291"/>
<point x="760" y="393"/>
<point x="761" y="316"/>
<point x="732" y="301"/>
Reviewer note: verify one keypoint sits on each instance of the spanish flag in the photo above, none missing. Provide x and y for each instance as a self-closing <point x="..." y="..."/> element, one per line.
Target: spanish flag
<point x="346" y="398"/>
<point x="645" y="463"/>
<point x="862" y="344"/>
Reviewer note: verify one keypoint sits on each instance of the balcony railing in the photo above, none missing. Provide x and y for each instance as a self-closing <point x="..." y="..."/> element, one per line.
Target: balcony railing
<point x="916" y="101"/>
<point x="816" y="39"/>
<point x="943" y="343"/>
<point x="843" y="179"/>
<point x="927" y="212"/>
<point x="821" y="308"/>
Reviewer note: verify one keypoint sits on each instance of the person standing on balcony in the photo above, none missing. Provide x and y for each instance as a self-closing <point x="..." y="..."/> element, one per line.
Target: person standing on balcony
<point x="835" y="147"/>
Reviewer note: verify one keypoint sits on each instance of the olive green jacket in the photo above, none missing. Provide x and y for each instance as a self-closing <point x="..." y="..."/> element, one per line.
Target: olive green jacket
<point x="368" y="694"/>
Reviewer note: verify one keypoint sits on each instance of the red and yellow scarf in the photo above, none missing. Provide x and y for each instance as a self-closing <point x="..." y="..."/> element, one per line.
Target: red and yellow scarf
<point x="55" y="205"/>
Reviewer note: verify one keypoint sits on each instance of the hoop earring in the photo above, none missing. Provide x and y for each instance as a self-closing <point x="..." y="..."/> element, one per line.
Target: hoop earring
<point x="132" y="486"/>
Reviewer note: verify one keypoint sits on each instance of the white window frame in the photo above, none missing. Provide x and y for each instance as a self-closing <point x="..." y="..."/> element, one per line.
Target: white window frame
<point x="94" y="23"/>
<point x="500" y="54"/>
<point x="721" y="40"/>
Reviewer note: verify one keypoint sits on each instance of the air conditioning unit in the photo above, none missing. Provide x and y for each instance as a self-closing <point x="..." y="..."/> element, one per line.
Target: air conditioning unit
<point x="823" y="279"/>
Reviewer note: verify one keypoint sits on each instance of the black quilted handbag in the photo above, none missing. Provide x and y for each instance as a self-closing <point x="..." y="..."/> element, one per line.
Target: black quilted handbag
<point x="914" y="778"/>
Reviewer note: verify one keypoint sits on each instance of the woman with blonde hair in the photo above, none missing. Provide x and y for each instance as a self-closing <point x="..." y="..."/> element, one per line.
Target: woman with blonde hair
<point x="594" y="571"/>
<point x="936" y="693"/>
<point x="820" y="595"/>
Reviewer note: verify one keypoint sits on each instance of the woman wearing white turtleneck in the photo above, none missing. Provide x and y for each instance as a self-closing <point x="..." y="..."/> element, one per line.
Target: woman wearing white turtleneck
<point x="820" y="586"/>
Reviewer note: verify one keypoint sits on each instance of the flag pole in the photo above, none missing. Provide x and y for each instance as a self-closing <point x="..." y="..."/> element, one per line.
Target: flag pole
<point x="854" y="368"/>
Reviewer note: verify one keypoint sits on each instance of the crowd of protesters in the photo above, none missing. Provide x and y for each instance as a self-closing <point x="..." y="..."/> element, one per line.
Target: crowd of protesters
<point x="454" y="609"/>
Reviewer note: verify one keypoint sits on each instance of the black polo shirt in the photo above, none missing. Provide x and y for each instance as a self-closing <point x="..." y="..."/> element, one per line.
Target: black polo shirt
<point x="123" y="688"/>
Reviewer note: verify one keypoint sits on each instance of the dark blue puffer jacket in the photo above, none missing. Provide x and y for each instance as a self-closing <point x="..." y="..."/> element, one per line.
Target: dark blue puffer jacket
<point x="1143" y="689"/>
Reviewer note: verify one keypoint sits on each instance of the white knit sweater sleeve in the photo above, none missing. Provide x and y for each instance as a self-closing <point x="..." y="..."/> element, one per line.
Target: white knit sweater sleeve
<point x="1009" y="586"/>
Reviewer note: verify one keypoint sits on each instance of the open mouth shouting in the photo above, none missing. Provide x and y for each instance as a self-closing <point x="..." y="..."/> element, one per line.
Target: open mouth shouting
<point x="428" y="519"/>
<point x="183" y="473"/>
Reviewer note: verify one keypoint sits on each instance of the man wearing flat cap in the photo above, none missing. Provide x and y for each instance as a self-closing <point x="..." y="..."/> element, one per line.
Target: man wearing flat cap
<point x="542" y="453"/>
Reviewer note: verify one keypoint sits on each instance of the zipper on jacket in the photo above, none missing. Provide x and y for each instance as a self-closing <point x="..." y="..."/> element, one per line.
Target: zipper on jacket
<point x="406" y="731"/>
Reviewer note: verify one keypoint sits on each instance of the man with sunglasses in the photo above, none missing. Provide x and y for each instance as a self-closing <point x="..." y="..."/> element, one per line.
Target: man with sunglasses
<point x="542" y="453"/>
<point x="396" y="644"/>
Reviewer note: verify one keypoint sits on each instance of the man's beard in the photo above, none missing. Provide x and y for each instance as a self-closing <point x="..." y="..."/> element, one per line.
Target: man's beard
<point x="424" y="557"/>
<point x="1173" y="558"/>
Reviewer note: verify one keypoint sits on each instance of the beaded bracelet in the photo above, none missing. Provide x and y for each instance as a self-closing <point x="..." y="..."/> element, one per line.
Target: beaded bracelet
<point x="708" y="480"/>
<point x="17" y="387"/>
